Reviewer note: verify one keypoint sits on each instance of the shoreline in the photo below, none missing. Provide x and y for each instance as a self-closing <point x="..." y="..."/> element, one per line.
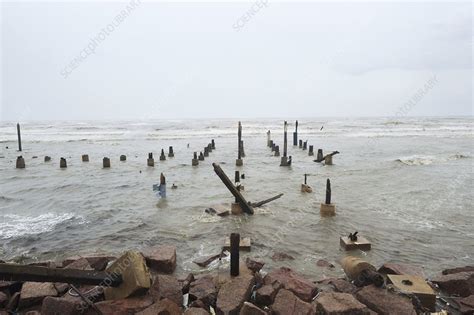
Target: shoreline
<point x="254" y="291"/>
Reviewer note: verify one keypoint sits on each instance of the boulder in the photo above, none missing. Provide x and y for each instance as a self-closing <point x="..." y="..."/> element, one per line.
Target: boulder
<point x="332" y="303"/>
<point x="61" y="287"/>
<point x="34" y="292"/>
<point x="196" y="311"/>
<point x="299" y="285"/>
<point x="457" y="270"/>
<point x="233" y="294"/>
<point x="80" y="264"/>
<point x="401" y="269"/>
<point x="250" y="309"/>
<point x="266" y="294"/>
<point x="165" y="307"/>
<point x="281" y="256"/>
<point x="186" y="282"/>
<point x="123" y="306"/>
<point x="461" y="283"/>
<point x="254" y="265"/>
<point x="203" y="290"/>
<point x="337" y="285"/>
<point x="466" y="304"/>
<point x="167" y="286"/>
<point x="63" y="306"/>
<point x="288" y="303"/>
<point x="161" y="258"/>
<point x="324" y="263"/>
<point x="383" y="301"/>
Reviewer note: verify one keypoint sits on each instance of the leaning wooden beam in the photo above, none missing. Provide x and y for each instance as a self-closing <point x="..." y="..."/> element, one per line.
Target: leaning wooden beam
<point x="13" y="272"/>
<point x="330" y="154"/>
<point x="261" y="203"/>
<point x="228" y="183"/>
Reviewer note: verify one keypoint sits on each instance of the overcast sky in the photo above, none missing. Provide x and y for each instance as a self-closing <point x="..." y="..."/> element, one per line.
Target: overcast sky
<point x="152" y="60"/>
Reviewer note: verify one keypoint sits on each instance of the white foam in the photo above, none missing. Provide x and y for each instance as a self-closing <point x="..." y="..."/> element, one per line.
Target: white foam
<point x="16" y="225"/>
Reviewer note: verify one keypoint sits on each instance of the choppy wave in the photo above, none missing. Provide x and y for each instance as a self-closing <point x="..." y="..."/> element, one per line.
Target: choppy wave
<point x="17" y="225"/>
<point x="429" y="159"/>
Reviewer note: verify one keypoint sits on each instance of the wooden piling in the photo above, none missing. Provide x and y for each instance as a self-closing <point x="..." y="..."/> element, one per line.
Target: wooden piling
<point x="213" y="144"/>
<point x="62" y="163"/>
<point x="150" y="161"/>
<point x="242" y="151"/>
<point x="234" y="254"/>
<point x="162" y="155"/>
<point x="239" y="136"/>
<point x="206" y="152"/>
<point x="195" y="161"/>
<point x="285" y="139"/>
<point x="209" y="147"/>
<point x="201" y="156"/>
<point x="105" y="162"/>
<point x="320" y="155"/>
<point x="305" y="179"/>
<point x="328" y="192"/>
<point x="85" y="158"/>
<point x="170" y="152"/>
<point x="19" y="136"/>
<point x="295" y="134"/>
<point x="237" y="176"/>
<point x="47" y="158"/>
<point x="20" y="162"/>
<point x="301" y="144"/>
<point x="277" y="150"/>
<point x="268" y="139"/>
<point x="272" y="145"/>
<point x="311" y="150"/>
<point x="305" y="145"/>
<point x="123" y="158"/>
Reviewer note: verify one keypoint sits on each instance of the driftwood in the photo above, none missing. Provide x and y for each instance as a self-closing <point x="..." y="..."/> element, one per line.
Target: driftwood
<point x="13" y="272"/>
<point x="324" y="157"/>
<point x="228" y="183"/>
<point x="261" y="203"/>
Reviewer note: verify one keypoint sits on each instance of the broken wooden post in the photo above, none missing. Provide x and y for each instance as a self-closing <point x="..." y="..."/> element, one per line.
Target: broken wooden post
<point x="62" y="163"/>
<point x="201" y="156"/>
<point x="206" y="152"/>
<point x="284" y="158"/>
<point x="239" y="161"/>
<point x="162" y="186"/>
<point x="328" y="158"/>
<point x="123" y="158"/>
<point x="295" y="134"/>
<point x="195" y="161"/>
<point x="305" y="145"/>
<point x="150" y="161"/>
<point x="327" y="208"/>
<point x="228" y="183"/>
<point x="13" y="272"/>
<point x="301" y="144"/>
<point x="19" y="136"/>
<point x="234" y="254"/>
<point x="305" y="187"/>
<point x="47" y="158"/>
<point x="272" y="145"/>
<point x="277" y="150"/>
<point x="162" y="156"/>
<point x="20" y="162"/>
<point x="85" y="158"/>
<point x="213" y="144"/>
<point x="170" y="152"/>
<point x="311" y="150"/>
<point x="320" y="156"/>
<point x="242" y="151"/>
<point x="237" y="177"/>
<point x="261" y="203"/>
<point x="268" y="139"/>
<point x="105" y="162"/>
<point x="209" y="147"/>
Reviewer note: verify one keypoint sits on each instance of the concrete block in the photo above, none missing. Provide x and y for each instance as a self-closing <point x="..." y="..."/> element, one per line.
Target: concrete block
<point x="328" y="209"/>
<point x="362" y="243"/>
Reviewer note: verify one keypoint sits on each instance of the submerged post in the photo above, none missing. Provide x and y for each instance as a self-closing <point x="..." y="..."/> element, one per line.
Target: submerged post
<point x="284" y="158"/>
<point x="123" y="158"/>
<point x="213" y="144"/>
<point x="20" y="162"/>
<point x="85" y="158"/>
<point x="268" y="139"/>
<point x="239" y="161"/>
<point x="320" y="156"/>
<point x="237" y="177"/>
<point x="305" y="145"/>
<point x="295" y="134"/>
<point x="162" y="186"/>
<point x="301" y="143"/>
<point x="234" y="254"/>
<point x="195" y="161"/>
<point x="150" y="161"/>
<point x="201" y="156"/>
<point x="311" y="150"/>
<point x="162" y="156"/>
<point x="19" y="136"/>
<point x="62" y="163"/>
<point x="206" y="152"/>
<point x="106" y="162"/>
<point x="170" y="152"/>
<point x="327" y="208"/>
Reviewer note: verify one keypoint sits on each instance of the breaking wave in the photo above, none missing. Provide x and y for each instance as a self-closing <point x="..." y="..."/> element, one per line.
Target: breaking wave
<point x="429" y="159"/>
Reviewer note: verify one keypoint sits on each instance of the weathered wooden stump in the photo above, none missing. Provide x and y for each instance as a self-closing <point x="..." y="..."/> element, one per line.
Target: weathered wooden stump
<point x="62" y="163"/>
<point x="19" y="136"/>
<point x="268" y="139"/>
<point x="150" y="161"/>
<point x="295" y="134"/>
<point x="201" y="156"/>
<point x="170" y="152"/>
<point x="277" y="150"/>
<point x="305" y="145"/>
<point x="327" y="208"/>
<point x="301" y="144"/>
<point x="106" y="162"/>
<point x="206" y="152"/>
<point x="162" y="155"/>
<point x="311" y="150"/>
<point x="20" y="162"/>
<point x="47" y="158"/>
<point x="195" y="161"/>
<point x="320" y="155"/>
<point x="85" y="158"/>
<point x="213" y="144"/>
<point x="123" y="158"/>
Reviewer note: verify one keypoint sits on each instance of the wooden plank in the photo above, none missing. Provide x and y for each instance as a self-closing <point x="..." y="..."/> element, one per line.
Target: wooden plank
<point x="13" y="272"/>
<point x="228" y="183"/>
<point x="243" y="245"/>
<point x="261" y="203"/>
